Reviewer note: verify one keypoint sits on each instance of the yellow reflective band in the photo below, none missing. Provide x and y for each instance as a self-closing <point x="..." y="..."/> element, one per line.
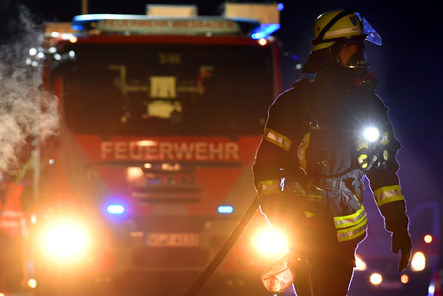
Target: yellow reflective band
<point x="269" y="187"/>
<point x="334" y="33"/>
<point x="388" y="194"/>
<point x="363" y="161"/>
<point x="301" y="150"/>
<point x="277" y="139"/>
<point x="352" y="232"/>
<point x="309" y="214"/>
<point x="314" y="197"/>
<point x="362" y="145"/>
<point x="385" y="138"/>
<point x="350" y="220"/>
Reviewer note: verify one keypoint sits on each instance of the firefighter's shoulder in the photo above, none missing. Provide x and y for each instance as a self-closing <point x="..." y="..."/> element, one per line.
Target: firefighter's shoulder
<point x="294" y="96"/>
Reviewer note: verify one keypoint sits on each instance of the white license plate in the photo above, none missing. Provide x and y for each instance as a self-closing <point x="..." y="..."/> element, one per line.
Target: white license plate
<point x="173" y="239"/>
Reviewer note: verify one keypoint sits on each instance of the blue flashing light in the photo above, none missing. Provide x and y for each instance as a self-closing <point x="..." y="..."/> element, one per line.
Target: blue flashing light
<point x="280" y="6"/>
<point x="225" y="209"/>
<point x="115" y="209"/>
<point x="264" y="30"/>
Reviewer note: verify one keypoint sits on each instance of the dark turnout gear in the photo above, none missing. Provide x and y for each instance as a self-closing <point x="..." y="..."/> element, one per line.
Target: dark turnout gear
<point x="315" y="141"/>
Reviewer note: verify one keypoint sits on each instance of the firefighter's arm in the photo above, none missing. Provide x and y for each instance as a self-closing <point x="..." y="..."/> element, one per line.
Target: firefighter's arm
<point x="389" y="198"/>
<point x="383" y="177"/>
<point x="392" y="206"/>
<point x="270" y="157"/>
<point x="267" y="178"/>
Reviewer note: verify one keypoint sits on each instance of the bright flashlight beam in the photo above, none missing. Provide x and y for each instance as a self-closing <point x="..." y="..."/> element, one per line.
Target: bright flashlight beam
<point x="371" y="134"/>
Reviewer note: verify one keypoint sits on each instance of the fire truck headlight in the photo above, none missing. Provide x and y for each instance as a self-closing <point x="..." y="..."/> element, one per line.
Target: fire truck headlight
<point x="66" y="241"/>
<point x="371" y="134"/>
<point x="269" y="243"/>
<point x="418" y="262"/>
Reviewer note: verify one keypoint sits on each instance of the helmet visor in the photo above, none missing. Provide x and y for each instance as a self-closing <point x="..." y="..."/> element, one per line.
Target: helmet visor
<point x="372" y="35"/>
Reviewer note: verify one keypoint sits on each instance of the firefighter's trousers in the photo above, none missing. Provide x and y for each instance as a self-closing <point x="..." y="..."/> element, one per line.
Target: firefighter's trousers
<point x="323" y="267"/>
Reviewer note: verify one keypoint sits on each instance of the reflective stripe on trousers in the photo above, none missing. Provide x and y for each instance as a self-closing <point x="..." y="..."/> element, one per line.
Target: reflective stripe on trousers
<point x="351" y="226"/>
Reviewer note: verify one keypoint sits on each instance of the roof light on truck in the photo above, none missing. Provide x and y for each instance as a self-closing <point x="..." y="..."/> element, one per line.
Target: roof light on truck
<point x="148" y="25"/>
<point x="264" y="30"/>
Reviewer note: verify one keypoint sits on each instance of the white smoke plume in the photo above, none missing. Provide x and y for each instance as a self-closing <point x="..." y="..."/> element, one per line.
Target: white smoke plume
<point x="27" y="112"/>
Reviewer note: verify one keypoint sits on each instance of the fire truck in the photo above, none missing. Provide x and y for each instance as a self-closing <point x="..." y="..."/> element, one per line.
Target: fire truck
<point x="150" y="172"/>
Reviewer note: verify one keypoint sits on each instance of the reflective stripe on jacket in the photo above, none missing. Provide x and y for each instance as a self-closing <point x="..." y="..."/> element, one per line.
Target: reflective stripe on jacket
<point x="277" y="139"/>
<point x="388" y="194"/>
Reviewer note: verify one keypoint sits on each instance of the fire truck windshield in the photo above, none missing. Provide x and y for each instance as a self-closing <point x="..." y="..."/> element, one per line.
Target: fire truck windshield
<point x="166" y="89"/>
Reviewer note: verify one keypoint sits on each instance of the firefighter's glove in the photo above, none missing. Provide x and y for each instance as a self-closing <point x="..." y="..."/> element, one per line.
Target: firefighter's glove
<point x="401" y="241"/>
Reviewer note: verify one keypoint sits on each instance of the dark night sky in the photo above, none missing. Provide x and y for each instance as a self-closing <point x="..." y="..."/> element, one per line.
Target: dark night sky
<point x="408" y="66"/>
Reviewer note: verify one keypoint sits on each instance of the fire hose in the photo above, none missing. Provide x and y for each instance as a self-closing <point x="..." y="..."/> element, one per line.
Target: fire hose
<point x="224" y="250"/>
<point x="279" y="273"/>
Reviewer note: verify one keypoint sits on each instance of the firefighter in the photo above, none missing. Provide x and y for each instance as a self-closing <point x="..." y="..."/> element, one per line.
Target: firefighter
<point x="12" y="233"/>
<point x="322" y="136"/>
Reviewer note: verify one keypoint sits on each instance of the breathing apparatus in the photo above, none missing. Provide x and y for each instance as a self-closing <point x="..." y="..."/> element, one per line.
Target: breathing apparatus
<point x="371" y="150"/>
<point x="340" y="30"/>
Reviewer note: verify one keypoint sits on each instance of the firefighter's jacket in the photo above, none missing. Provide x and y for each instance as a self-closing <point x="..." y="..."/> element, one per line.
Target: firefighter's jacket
<point x="313" y="140"/>
<point x="11" y="212"/>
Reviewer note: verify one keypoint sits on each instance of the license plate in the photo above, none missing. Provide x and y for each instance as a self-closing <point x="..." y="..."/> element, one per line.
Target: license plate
<point x="173" y="239"/>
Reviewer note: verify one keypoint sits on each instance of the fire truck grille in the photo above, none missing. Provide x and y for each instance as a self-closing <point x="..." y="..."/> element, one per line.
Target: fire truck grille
<point x="170" y="257"/>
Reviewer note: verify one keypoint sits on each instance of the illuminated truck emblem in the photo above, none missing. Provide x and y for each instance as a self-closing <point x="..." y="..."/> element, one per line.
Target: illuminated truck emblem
<point x="180" y="151"/>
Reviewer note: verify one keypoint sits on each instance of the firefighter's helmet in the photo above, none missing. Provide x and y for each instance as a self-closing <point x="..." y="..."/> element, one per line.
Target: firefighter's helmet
<point x="341" y="24"/>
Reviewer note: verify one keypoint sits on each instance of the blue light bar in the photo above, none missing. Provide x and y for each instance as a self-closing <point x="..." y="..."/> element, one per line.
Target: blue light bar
<point x="280" y="6"/>
<point x="264" y="30"/>
<point x="225" y="209"/>
<point x="115" y="209"/>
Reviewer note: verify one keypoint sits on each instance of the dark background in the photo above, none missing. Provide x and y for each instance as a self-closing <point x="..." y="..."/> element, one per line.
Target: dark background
<point x="408" y="66"/>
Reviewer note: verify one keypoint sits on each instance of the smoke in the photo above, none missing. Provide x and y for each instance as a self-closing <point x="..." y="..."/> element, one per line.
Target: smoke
<point x="28" y="113"/>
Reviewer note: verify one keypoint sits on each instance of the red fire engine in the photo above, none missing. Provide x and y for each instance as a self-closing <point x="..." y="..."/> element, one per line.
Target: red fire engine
<point x="151" y="170"/>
